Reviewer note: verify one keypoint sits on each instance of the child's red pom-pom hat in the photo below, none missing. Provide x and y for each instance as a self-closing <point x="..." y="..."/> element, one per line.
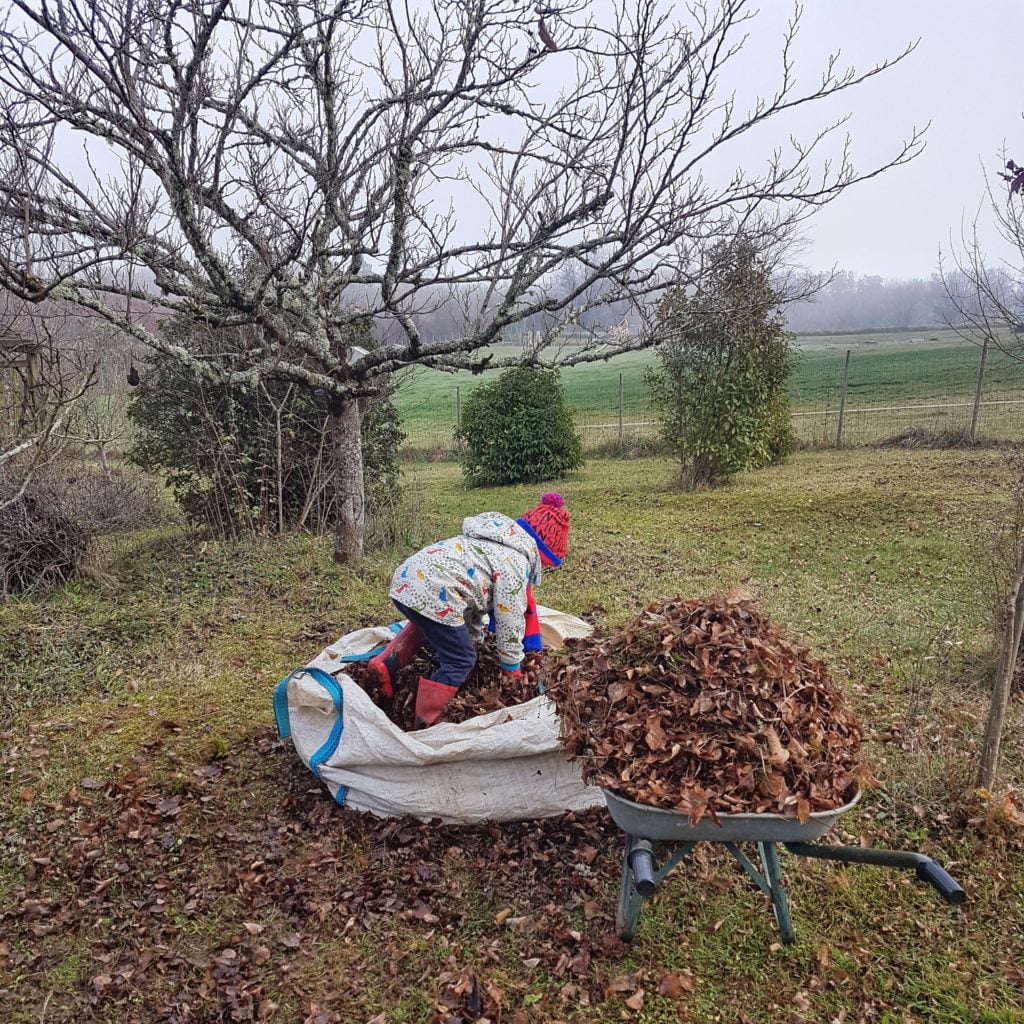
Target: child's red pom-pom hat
<point x="548" y="524"/>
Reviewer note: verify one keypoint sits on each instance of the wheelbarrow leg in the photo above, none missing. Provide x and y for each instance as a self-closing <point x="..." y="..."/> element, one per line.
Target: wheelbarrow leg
<point x="628" y="911"/>
<point x="777" y="893"/>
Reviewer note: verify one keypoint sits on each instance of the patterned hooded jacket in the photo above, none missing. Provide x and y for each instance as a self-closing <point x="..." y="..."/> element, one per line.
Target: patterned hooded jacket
<point x="464" y="579"/>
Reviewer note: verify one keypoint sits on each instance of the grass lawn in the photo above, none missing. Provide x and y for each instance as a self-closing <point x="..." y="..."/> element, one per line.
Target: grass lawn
<point x="164" y="858"/>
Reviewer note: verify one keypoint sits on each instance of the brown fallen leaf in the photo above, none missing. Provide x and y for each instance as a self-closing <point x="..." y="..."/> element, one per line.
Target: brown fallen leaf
<point x="673" y="985"/>
<point x="655" y="735"/>
<point x="777" y="754"/>
<point x="636" y="1000"/>
<point x="421" y="912"/>
<point x="493" y="998"/>
<point x="803" y="810"/>
<point x="622" y="983"/>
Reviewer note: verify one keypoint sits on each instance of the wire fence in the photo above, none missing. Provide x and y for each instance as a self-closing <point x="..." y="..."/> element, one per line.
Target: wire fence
<point x="863" y="393"/>
<point x="870" y="393"/>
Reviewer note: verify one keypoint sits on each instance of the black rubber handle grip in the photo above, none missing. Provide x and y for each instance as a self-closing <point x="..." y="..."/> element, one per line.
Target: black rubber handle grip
<point x="642" y="863"/>
<point x="942" y="881"/>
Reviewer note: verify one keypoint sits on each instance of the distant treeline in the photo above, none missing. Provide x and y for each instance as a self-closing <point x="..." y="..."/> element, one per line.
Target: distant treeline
<point x="868" y="302"/>
<point x="843" y="332"/>
<point x="849" y="302"/>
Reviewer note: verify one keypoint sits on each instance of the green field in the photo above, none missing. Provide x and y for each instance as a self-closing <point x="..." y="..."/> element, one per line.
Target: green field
<point x="886" y="370"/>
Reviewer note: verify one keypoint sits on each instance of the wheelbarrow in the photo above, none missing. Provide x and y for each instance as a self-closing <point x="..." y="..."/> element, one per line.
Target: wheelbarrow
<point x="657" y="840"/>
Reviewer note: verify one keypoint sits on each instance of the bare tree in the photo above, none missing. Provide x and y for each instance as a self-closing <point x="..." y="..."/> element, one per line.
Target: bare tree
<point x="41" y="382"/>
<point x="39" y="390"/>
<point x="100" y="421"/>
<point x="292" y="165"/>
<point x="985" y="300"/>
<point x="986" y="305"/>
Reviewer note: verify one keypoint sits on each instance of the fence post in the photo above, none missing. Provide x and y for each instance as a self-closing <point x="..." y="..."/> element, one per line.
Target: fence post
<point x="458" y="417"/>
<point x="842" y="400"/>
<point x="620" y="408"/>
<point x="977" y="390"/>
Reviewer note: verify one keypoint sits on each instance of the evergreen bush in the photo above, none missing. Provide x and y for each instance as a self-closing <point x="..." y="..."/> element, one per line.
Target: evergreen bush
<point x="517" y="428"/>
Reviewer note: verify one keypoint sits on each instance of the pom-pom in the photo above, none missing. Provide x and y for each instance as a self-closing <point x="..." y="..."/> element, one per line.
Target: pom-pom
<point x="553" y="499"/>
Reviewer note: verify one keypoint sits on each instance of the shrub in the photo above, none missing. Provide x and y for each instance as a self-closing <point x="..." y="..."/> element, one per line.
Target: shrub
<point x="725" y="363"/>
<point x="48" y="533"/>
<point x="253" y="459"/>
<point x="518" y="429"/>
<point x="387" y="511"/>
<point x="41" y="543"/>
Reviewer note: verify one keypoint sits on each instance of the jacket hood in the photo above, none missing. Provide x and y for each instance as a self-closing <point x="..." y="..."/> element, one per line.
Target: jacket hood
<point x="499" y="529"/>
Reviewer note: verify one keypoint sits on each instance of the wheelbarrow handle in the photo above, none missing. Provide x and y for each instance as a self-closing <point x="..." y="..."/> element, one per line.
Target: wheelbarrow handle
<point x="927" y="870"/>
<point x="941" y="881"/>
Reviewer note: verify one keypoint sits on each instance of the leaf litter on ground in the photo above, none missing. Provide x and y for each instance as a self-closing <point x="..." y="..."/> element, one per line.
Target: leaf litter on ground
<point x="280" y="877"/>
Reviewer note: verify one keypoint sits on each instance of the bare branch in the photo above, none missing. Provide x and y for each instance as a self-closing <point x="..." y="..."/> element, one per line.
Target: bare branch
<point x="294" y="165"/>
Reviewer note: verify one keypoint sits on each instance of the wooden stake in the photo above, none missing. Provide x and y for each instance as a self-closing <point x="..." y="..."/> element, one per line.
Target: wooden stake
<point x="620" y="408"/>
<point x="842" y="401"/>
<point x="1002" y="683"/>
<point x="977" y="390"/>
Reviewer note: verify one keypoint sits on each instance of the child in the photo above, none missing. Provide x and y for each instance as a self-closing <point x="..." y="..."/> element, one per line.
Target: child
<point x="450" y="590"/>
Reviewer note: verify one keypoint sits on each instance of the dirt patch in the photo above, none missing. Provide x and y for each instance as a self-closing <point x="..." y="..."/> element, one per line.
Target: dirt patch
<point x="915" y="437"/>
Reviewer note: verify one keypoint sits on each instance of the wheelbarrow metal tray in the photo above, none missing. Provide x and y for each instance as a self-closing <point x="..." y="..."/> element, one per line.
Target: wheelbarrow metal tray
<point x="659" y="824"/>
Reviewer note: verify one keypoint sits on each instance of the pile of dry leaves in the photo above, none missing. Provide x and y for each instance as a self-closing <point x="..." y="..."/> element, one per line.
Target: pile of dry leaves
<point x="487" y="688"/>
<point x="707" y="708"/>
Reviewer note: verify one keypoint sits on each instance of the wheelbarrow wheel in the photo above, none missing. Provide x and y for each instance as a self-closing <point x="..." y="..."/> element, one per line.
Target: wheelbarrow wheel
<point x="627" y="913"/>
<point x="780" y="904"/>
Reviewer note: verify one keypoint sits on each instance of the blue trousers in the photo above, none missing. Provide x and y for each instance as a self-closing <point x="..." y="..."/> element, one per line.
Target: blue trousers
<point x="453" y="645"/>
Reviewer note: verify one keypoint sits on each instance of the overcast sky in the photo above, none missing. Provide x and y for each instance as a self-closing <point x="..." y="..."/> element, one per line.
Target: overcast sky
<point x="964" y="78"/>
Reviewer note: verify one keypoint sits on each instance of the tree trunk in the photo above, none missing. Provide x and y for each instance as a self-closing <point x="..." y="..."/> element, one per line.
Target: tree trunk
<point x="279" y="468"/>
<point x="104" y="462"/>
<point x="350" y="504"/>
<point x="1002" y="684"/>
